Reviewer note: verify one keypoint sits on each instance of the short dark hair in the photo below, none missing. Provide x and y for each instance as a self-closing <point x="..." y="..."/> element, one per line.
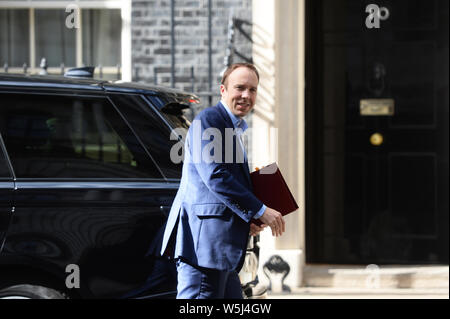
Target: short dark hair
<point x="233" y="67"/>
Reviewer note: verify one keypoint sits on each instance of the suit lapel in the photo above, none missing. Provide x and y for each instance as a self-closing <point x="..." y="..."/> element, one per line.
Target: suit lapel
<point x="229" y="124"/>
<point x="225" y="115"/>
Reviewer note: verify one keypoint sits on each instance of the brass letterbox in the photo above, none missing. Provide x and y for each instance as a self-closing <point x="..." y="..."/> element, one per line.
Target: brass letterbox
<point x="376" y="107"/>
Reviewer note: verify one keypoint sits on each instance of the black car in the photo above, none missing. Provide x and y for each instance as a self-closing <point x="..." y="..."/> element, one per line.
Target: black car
<point x="86" y="183"/>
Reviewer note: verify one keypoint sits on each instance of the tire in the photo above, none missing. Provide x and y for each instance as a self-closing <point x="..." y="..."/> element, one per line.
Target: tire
<point x="30" y="292"/>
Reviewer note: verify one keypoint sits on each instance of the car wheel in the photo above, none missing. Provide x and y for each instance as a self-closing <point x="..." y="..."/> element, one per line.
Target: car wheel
<point x="30" y="292"/>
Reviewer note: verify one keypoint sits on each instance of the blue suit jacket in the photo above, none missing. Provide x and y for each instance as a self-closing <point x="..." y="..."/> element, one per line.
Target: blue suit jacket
<point x="208" y="224"/>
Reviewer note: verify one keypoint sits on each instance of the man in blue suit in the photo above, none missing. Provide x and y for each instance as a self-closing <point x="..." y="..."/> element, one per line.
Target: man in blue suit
<point x="209" y="222"/>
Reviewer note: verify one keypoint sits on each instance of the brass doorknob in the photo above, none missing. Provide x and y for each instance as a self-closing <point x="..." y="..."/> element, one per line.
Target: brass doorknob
<point x="376" y="139"/>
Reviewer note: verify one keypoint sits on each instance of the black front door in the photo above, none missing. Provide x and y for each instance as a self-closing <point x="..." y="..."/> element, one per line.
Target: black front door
<point x="381" y="117"/>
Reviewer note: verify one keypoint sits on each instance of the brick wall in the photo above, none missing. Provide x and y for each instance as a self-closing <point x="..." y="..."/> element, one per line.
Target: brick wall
<point x="151" y="41"/>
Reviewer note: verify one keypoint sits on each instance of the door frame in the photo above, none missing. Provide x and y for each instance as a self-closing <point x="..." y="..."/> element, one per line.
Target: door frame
<point x="313" y="132"/>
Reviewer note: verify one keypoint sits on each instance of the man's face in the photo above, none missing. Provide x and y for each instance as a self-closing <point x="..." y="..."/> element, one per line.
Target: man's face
<point x="240" y="91"/>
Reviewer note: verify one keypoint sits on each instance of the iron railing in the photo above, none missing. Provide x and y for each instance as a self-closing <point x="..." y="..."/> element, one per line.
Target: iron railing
<point x="44" y="69"/>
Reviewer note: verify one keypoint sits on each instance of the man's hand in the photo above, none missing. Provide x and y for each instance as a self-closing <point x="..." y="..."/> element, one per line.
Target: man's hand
<point x="255" y="229"/>
<point x="274" y="220"/>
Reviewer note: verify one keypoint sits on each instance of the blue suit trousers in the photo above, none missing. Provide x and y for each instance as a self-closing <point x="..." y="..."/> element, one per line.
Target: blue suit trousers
<point x="196" y="282"/>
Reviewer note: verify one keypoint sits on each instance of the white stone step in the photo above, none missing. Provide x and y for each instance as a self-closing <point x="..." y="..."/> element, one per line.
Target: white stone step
<point x="373" y="276"/>
<point x="361" y="293"/>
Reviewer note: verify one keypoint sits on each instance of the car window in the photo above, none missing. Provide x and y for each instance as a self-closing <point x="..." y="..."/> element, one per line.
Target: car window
<point x="4" y="170"/>
<point x="50" y="136"/>
<point x="154" y="133"/>
<point x="176" y="118"/>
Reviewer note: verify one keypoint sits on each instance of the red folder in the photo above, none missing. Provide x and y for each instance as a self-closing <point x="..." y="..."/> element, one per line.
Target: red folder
<point x="270" y="188"/>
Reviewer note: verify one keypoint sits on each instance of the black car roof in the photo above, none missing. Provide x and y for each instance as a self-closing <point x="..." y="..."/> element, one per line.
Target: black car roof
<point x="61" y="82"/>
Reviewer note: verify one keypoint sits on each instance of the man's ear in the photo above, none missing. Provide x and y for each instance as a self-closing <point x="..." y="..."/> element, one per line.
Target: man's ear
<point x="222" y="89"/>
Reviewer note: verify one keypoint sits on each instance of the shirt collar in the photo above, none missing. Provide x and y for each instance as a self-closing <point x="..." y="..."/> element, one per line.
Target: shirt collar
<point x="238" y="122"/>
